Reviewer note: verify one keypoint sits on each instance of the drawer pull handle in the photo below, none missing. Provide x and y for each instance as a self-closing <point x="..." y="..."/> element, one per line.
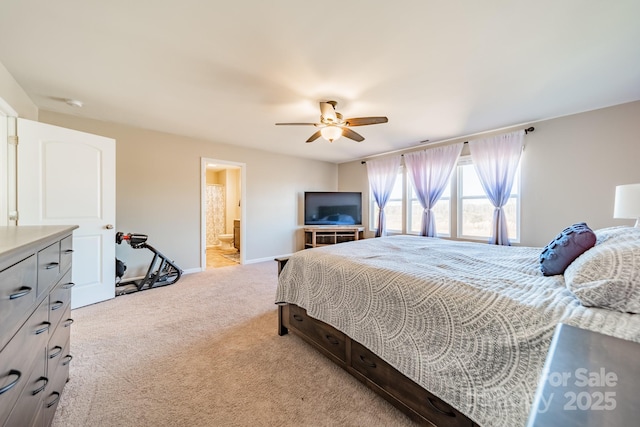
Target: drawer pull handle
<point x="51" y="265"/>
<point x="13" y="383"/>
<point x="68" y="251"/>
<point x="38" y="390"/>
<point x="25" y="290"/>
<point x="68" y="323"/>
<point x="57" y="353"/>
<point x="50" y="404"/>
<point x="366" y="361"/>
<point x="68" y="285"/>
<point x="332" y="340"/>
<point x="45" y="328"/>
<point x="68" y="360"/>
<point x="434" y="407"/>
<point x="298" y="317"/>
<point x="56" y="305"/>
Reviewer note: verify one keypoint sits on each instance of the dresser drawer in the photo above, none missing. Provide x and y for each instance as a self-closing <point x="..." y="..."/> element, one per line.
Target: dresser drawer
<point x="27" y="409"/>
<point x="325" y="335"/>
<point x="66" y="253"/>
<point x="414" y="396"/>
<point x="60" y="299"/>
<point x="48" y="266"/>
<point x="17" y="296"/>
<point x="58" y="342"/>
<point x="55" y="386"/>
<point x="60" y="372"/>
<point x="16" y="358"/>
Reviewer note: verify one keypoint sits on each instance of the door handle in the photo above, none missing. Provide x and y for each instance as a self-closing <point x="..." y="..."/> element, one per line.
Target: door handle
<point x="109" y="226"/>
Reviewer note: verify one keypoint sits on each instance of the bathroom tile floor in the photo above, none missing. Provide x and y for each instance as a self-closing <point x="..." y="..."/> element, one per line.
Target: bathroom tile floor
<point x="216" y="259"/>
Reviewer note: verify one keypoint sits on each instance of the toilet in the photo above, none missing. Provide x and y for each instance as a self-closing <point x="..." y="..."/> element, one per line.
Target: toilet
<point x="226" y="238"/>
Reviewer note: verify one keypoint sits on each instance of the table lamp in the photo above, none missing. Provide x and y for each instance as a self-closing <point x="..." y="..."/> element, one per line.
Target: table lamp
<point x="627" y="204"/>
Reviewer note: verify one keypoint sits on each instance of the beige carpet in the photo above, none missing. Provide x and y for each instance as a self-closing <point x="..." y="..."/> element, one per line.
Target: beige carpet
<point x="205" y="352"/>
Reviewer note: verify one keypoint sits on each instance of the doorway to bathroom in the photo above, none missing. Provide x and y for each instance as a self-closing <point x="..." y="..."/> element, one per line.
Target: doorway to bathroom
<point x="222" y="225"/>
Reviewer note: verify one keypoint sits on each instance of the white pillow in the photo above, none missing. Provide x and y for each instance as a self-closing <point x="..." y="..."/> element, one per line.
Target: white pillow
<point x="608" y="275"/>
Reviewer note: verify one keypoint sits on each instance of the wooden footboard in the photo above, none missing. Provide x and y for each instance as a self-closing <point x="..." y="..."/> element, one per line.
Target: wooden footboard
<point x="419" y="404"/>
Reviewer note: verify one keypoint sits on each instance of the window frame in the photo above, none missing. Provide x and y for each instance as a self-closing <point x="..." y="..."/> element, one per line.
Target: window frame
<point x="454" y="198"/>
<point x="515" y="194"/>
<point x="373" y="206"/>
<point x="410" y="199"/>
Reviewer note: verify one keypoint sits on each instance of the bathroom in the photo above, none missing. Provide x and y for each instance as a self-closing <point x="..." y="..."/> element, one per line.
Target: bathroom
<point x="223" y="211"/>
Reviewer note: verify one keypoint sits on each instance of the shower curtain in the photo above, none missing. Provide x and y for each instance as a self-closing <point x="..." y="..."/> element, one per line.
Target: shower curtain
<point x="215" y="213"/>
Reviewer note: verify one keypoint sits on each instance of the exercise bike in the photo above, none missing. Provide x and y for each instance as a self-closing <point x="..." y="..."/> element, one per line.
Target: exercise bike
<point x="161" y="272"/>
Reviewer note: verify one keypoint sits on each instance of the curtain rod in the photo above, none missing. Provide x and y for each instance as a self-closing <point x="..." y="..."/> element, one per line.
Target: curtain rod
<point x="526" y="131"/>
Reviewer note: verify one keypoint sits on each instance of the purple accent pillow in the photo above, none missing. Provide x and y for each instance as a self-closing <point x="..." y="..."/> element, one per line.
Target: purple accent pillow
<point x="572" y="242"/>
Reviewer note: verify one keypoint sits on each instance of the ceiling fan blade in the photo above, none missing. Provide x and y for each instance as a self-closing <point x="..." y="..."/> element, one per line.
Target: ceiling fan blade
<point x="313" y="137"/>
<point x="328" y="111"/>
<point x="296" y="124"/>
<point x="348" y="133"/>
<point x="363" y="121"/>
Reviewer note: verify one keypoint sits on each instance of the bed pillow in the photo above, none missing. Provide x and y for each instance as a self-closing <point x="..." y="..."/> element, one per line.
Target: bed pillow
<point x="608" y="275"/>
<point x="566" y="247"/>
<point x="612" y="233"/>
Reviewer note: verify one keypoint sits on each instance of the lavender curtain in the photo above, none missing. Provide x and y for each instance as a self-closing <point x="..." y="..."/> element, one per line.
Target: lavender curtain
<point x="429" y="171"/>
<point x="382" y="176"/>
<point x="496" y="160"/>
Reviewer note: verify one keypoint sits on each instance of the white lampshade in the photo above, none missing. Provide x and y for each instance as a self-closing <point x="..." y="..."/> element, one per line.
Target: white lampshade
<point x="331" y="133"/>
<point x="627" y="204"/>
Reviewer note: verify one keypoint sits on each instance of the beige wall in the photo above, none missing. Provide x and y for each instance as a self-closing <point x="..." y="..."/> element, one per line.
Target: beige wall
<point x="570" y="167"/>
<point x="158" y="190"/>
<point x="158" y="186"/>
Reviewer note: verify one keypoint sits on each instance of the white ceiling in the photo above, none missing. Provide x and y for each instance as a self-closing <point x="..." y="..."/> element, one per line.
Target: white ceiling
<point x="227" y="71"/>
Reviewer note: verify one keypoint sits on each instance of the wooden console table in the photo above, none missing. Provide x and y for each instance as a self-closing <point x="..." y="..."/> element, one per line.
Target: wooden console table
<point x="331" y="235"/>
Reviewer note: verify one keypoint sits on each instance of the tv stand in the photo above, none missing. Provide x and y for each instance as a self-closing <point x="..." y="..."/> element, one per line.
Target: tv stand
<point x="322" y="235"/>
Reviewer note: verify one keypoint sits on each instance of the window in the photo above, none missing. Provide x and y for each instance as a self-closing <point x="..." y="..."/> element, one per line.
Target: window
<point x="463" y="211"/>
<point x="475" y="213"/>
<point x="393" y="210"/>
<point x="442" y="211"/>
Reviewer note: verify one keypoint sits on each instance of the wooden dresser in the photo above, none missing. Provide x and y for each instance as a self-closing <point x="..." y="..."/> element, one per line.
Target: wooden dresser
<point x="35" y="320"/>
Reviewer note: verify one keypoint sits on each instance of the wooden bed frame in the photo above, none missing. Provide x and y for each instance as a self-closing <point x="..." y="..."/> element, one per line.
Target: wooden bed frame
<point x="419" y="404"/>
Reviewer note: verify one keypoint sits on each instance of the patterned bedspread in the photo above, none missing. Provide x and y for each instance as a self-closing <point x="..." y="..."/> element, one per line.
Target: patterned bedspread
<point x="470" y="322"/>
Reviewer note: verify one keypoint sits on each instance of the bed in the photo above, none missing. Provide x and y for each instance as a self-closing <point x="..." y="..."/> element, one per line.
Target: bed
<point x="454" y="333"/>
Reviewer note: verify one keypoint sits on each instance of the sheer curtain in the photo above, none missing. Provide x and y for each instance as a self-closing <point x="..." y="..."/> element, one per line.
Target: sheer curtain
<point x="430" y="171"/>
<point x="382" y="176"/>
<point x="496" y="160"/>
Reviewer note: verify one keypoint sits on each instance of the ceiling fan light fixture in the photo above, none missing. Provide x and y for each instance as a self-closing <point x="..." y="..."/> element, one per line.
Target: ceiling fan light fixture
<point x="333" y="126"/>
<point x="331" y="133"/>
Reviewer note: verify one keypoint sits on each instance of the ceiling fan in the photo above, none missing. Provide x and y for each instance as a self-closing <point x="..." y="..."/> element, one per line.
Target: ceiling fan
<point x="333" y="126"/>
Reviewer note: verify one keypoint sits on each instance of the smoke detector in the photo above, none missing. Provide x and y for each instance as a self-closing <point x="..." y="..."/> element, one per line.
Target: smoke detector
<point x="74" y="103"/>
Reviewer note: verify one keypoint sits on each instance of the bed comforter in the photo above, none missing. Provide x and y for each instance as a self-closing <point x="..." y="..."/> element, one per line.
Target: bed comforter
<point x="469" y="322"/>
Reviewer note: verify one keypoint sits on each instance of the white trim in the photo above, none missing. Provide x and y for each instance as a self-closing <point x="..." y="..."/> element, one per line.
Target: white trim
<point x="269" y="258"/>
<point x="6" y="110"/>
<point x="7" y="162"/>
<point x="4" y="175"/>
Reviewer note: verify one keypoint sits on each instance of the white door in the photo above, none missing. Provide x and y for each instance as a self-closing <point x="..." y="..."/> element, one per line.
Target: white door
<point x="68" y="177"/>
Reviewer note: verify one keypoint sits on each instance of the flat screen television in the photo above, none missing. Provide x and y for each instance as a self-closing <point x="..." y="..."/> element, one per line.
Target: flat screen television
<point x="332" y="208"/>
